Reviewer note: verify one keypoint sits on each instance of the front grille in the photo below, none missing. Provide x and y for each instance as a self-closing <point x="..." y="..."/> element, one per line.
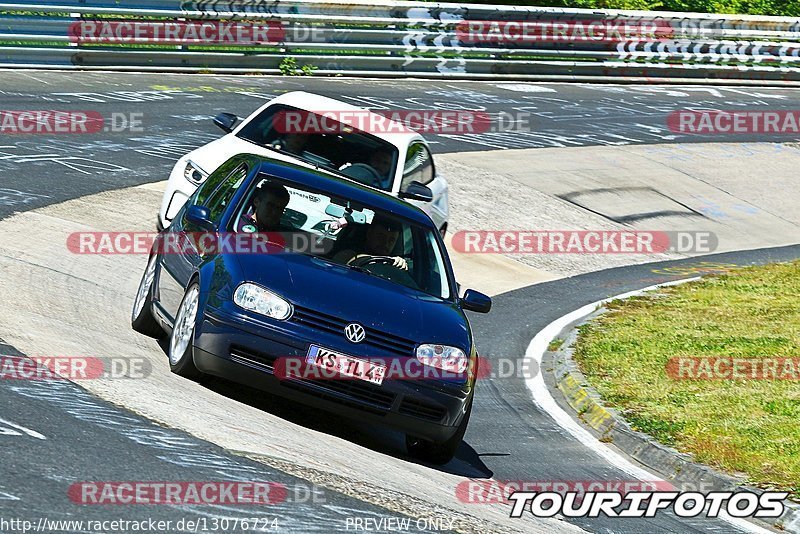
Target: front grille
<point x="359" y="394"/>
<point x="334" y="325"/>
<point x="249" y="357"/>
<point x="422" y="409"/>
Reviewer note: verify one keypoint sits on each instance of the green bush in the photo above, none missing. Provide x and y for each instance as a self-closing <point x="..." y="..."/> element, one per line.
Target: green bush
<point x="290" y="67"/>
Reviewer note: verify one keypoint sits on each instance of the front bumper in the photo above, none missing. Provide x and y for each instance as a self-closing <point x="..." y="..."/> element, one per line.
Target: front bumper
<point x="226" y="347"/>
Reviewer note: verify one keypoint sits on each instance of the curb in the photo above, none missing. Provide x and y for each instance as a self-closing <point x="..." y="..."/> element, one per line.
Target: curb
<point x="676" y="467"/>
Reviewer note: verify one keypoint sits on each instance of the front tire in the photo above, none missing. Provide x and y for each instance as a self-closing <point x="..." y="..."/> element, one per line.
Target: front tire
<point x="181" y="347"/>
<point x="438" y="453"/>
<point x="142" y="319"/>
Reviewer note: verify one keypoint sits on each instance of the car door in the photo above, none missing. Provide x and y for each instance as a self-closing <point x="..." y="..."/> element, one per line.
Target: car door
<point x="178" y="264"/>
<point x="419" y="167"/>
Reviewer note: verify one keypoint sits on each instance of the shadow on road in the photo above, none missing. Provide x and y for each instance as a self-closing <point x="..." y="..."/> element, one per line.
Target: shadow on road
<point x="467" y="462"/>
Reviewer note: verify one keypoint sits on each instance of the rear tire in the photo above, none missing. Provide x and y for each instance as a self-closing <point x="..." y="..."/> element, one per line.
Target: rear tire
<point x="438" y="453"/>
<point x="181" y="341"/>
<point x="142" y="319"/>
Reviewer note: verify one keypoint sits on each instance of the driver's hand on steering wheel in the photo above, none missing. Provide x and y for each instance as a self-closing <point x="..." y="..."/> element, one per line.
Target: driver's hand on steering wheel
<point x="395" y="261"/>
<point x="400" y="263"/>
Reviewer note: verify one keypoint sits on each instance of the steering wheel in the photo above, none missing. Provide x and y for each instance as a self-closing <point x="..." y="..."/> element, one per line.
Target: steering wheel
<point x="363" y="173"/>
<point x="363" y="261"/>
<point x="384" y="267"/>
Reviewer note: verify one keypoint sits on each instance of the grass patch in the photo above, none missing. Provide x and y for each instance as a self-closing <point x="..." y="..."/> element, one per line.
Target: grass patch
<point x="748" y="426"/>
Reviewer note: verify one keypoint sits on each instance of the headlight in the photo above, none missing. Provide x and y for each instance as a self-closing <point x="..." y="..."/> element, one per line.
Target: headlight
<point x="443" y="357"/>
<point x="194" y="174"/>
<point x="257" y="299"/>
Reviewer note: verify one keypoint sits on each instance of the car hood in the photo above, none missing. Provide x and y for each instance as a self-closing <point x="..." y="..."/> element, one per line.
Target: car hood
<point x="352" y="296"/>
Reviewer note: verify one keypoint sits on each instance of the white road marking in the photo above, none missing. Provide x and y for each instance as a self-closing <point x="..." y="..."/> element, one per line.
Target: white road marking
<point x="545" y="401"/>
<point x="525" y="88"/>
<point x="7" y="429"/>
<point x="33" y="77"/>
<point x="754" y="94"/>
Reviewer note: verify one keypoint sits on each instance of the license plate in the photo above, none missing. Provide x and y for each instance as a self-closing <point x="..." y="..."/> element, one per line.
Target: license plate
<point x="346" y="365"/>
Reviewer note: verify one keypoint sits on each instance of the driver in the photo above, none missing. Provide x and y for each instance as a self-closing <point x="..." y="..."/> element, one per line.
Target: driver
<point x="381" y="237"/>
<point x="375" y="171"/>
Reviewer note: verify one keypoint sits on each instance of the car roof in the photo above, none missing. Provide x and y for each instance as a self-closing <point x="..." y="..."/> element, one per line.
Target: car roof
<point x="312" y="102"/>
<point x="342" y="188"/>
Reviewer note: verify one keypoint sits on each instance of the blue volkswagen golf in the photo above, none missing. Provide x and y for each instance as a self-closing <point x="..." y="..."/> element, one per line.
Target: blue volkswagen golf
<point x="320" y="290"/>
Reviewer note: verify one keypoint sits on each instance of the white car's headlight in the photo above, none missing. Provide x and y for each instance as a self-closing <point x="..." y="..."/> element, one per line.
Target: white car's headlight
<point x="443" y="357"/>
<point x="257" y="299"/>
<point x="194" y="174"/>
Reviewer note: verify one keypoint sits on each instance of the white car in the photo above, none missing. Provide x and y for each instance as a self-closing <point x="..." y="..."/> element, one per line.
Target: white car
<point x="396" y="160"/>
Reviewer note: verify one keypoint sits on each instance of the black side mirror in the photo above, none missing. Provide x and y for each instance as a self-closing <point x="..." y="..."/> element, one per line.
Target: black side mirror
<point x="417" y="191"/>
<point x="200" y="217"/>
<point x="476" y="301"/>
<point x="226" y="121"/>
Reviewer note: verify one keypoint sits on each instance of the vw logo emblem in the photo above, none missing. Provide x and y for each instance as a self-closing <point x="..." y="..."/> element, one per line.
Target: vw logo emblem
<point x="355" y="332"/>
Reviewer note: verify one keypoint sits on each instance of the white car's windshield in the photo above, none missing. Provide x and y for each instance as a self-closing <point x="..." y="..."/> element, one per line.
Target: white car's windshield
<point x="360" y="237"/>
<point x="355" y="154"/>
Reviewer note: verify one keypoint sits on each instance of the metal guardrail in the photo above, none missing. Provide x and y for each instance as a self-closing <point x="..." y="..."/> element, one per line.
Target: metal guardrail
<point x="416" y="39"/>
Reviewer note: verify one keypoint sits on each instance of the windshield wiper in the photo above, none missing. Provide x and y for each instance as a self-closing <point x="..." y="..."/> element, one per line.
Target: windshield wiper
<point x="360" y="269"/>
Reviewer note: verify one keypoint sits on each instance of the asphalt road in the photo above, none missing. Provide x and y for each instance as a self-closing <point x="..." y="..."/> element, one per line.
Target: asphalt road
<point x="508" y="438"/>
<point x="53" y="434"/>
<point x="172" y="116"/>
<point x="91" y="440"/>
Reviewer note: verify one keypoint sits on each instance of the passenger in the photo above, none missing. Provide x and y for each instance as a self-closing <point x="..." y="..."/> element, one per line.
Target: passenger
<point x="294" y="143"/>
<point x="269" y="202"/>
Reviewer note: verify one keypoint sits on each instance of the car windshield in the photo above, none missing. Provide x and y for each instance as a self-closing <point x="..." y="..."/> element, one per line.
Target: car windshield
<point x="325" y="143"/>
<point x="362" y="238"/>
